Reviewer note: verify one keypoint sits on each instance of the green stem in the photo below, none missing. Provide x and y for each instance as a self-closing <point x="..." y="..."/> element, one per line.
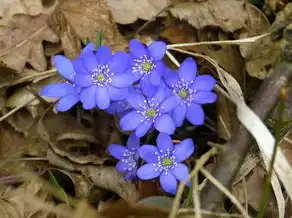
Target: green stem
<point x="98" y="40"/>
<point x="267" y="186"/>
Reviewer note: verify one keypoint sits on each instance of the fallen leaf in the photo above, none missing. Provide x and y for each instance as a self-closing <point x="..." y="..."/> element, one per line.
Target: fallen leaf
<point x="82" y="20"/>
<point x="8" y="8"/>
<point x="262" y="54"/>
<point x="128" y="11"/>
<point x="23" y="43"/>
<point x="229" y="15"/>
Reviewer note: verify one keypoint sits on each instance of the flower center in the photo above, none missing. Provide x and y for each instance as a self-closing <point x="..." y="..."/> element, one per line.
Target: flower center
<point x="167" y="161"/>
<point x="182" y="93"/>
<point x="101" y="75"/>
<point x="129" y="159"/>
<point x="147" y="66"/>
<point x="143" y="65"/>
<point x="151" y="112"/>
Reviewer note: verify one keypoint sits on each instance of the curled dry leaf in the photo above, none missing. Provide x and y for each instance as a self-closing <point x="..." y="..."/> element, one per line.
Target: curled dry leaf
<point x="23" y="42"/>
<point x="103" y="177"/>
<point x="128" y="11"/>
<point x="8" y="8"/>
<point x="108" y="178"/>
<point x="263" y="53"/>
<point x="83" y="19"/>
<point x="68" y="138"/>
<point x="229" y="15"/>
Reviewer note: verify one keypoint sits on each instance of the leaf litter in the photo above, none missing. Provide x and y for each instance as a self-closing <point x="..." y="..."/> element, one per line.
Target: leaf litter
<point x="75" y="142"/>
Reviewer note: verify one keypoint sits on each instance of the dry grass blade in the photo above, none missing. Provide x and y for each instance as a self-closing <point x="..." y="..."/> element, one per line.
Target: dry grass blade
<point x="200" y="163"/>
<point x="225" y="191"/>
<point x="196" y="197"/>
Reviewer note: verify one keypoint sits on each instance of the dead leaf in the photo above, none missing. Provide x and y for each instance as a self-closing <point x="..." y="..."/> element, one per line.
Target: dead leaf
<point x="23" y="43"/>
<point x="83" y="19"/>
<point x="128" y="11"/>
<point x="254" y="188"/>
<point x="262" y="54"/>
<point x="9" y="8"/>
<point x="229" y="15"/>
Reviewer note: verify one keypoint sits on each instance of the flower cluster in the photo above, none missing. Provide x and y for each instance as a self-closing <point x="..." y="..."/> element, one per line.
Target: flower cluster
<point x="163" y="160"/>
<point x="145" y="94"/>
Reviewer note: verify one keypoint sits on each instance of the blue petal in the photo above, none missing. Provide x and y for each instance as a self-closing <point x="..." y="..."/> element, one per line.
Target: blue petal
<point x="90" y="61"/>
<point x="171" y="77"/>
<point x="148" y="171"/>
<point x="89" y="47"/>
<point x="147" y="88"/>
<point x="133" y="142"/>
<point x="154" y="78"/>
<point x="102" y="97"/>
<point x="169" y="104"/>
<point x="67" y="102"/>
<point x="132" y="175"/>
<point x="87" y="97"/>
<point x="205" y="97"/>
<point x="122" y="80"/>
<point x="164" y="124"/>
<point x="122" y="167"/>
<point x="79" y="66"/>
<point x="164" y="142"/>
<point x="181" y="172"/>
<point x="168" y="182"/>
<point x="116" y="94"/>
<point x="57" y="90"/>
<point x="204" y="83"/>
<point x="136" y="100"/>
<point x="195" y="114"/>
<point x="149" y="153"/>
<point x="157" y="50"/>
<point x="179" y="114"/>
<point x="188" y="69"/>
<point x="159" y="95"/>
<point x="103" y="54"/>
<point x="83" y="80"/>
<point x="143" y="128"/>
<point x="117" y="151"/>
<point x="184" y="150"/>
<point x="64" y="67"/>
<point x="119" y="62"/>
<point x="130" y="121"/>
<point x="137" y="49"/>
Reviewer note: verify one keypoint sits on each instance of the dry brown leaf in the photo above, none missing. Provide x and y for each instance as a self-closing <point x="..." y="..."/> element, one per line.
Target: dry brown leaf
<point x="261" y="54"/>
<point x="23" y="43"/>
<point x="128" y="11"/>
<point x="83" y="19"/>
<point x="229" y="15"/>
<point x="14" y="205"/>
<point x="8" y="8"/>
<point x="254" y="188"/>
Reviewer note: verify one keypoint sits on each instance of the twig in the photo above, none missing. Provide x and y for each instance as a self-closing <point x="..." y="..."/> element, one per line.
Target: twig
<point x="156" y="15"/>
<point x="232" y="156"/>
<point x="225" y="191"/>
<point x="196" y="197"/>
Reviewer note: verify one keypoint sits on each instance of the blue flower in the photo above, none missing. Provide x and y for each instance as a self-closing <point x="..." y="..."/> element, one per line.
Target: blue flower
<point x="127" y="156"/>
<point x="120" y="107"/>
<point x="68" y="92"/>
<point x="191" y="91"/>
<point x="147" y="64"/>
<point x="103" y="77"/>
<point x="165" y="161"/>
<point x="148" y="112"/>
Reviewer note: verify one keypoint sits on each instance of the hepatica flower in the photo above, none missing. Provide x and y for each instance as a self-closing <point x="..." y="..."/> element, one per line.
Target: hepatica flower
<point x="128" y="156"/>
<point x="147" y="64"/>
<point x="103" y="77"/>
<point x="148" y="112"/>
<point x="191" y="91"/>
<point x="68" y="92"/>
<point x="164" y="161"/>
